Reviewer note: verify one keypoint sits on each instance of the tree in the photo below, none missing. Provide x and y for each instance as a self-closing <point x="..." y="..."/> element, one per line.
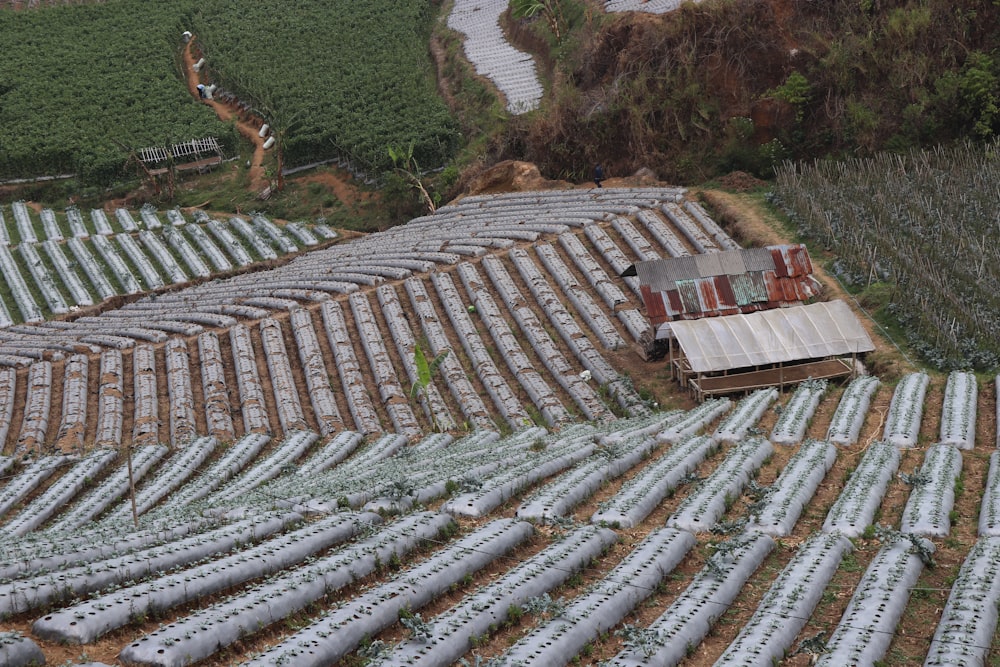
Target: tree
<point x="425" y="370"/>
<point x="550" y="10"/>
<point x="406" y="165"/>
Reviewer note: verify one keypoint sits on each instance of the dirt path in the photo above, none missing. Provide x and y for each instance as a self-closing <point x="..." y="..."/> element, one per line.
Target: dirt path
<point x="258" y="181"/>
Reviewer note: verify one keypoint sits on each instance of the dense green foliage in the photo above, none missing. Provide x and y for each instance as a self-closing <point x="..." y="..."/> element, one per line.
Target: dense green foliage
<point x="333" y="78"/>
<point x="75" y="79"/>
<point x="723" y="85"/>
<point x="927" y="224"/>
<point x="338" y="77"/>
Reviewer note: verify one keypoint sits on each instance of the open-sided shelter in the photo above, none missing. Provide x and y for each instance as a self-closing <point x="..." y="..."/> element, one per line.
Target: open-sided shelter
<point x="736" y="353"/>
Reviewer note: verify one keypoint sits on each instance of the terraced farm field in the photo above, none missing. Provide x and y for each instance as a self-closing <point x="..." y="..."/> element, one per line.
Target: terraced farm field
<point x="296" y="502"/>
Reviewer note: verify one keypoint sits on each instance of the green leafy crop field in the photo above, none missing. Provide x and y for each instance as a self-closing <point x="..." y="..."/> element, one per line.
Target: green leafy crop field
<point x="77" y="78"/>
<point x="334" y="78"/>
<point x="338" y="77"/>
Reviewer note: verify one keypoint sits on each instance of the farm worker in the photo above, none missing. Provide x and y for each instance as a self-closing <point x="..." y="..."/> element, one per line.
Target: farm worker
<point x="598" y="175"/>
<point x="201" y="90"/>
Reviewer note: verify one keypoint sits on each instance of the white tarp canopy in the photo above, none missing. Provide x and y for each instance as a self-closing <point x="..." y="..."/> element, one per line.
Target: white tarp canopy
<point x="825" y="329"/>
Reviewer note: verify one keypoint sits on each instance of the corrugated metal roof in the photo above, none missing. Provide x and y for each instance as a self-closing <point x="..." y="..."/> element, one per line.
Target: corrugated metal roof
<point x="675" y="287"/>
<point x="771" y="336"/>
<point x="732" y="262"/>
<point x="662" y="274"/>
<point x="688" y="292"/>
<point x="724" y="289"/>
<point x="708" y="265"/>
<point x="743" y="292"/>
<point x="758" y="259"/>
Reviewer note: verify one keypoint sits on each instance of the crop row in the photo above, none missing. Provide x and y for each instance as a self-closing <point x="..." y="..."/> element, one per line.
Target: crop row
<point x="135" y="270"/>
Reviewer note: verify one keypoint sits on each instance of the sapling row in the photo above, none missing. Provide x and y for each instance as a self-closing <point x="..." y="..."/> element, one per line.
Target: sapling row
<point x="208" y="248"/>
<point x="336" y="448"/>
<point x="541" y="342"/>
<point x="255" y="418"/>
<point x="902" y="424"/>
<point x="196" y="265"/>
<point x="453" y="633"/>
<point x="36" y="410"/>
<point x="518" y="362"/>
<point x="50" y="225"/>
<point x="747" y="412"/>
<point x="174" y="472"/>
<point x="37" y="553"/>
<point x="854" y="509"/>
<point x="22" y="219"/>
<point x="111" y="489"/>
<point x="320" y="390"/>
<point x="695" y="420"/>
<point x="425" y="389"/>
<point x="27" y="480"/>
<point x="95" y="274"/>
<point x="706" y="504"/>
<point x="46" y="589"/>
<point x="684" y="624"/>
<point x="273" y="232"/>
<point x="74" y="285"/>
<point x="58" y="494"/>
<point x="591" y="313"/>
<point x="281" y="460"/>
<point x="641" y="494"/>
<point x="301" y="233"/>
<point x="250" y="235"/>
<point x="16" y="650"/>
<point x="869" y="623"/>
<point x="30" y="311"/>
<point x="791" y="492"/>
<point x="125" y="220"/>
<point x="932" y="493"/>
<point x="209" y="630"/>
<point x="512" y="479"/>
<point x="110" y="400"/>
<point x="218" y="412"/>
<point x="175" y="217"/>
<point x="557" y="498"/>
<point x="227" y="466"/>
<point x="969" y="619"/>
<point x="8" y="384"/>
<point x="393" y="397"/>
<point x="175" y="274"/>
<point x="76" y="225"/>
<point x="450" y="368"/>
<point x="788" y="603"/>
<point x="42" y="279"/>
<point x="958" y="410"/>
<point x="989" y="512"/>
<point x="279" y="367"/>
<point x="794" y="419"/>
<point x="697" y="237"/>
<point x="492" y="380"/>
<point x="663" y="235"/>
<point x="140" y="260"/>
<point x="229" y="242"/>
<point x="84" y="622"/>
<point x="123" y="274"/>
<point x="359" y="402"/>
<point x="381" y="606"/>
<point x="148" y="214"/>
<point x="605" y="604"/>
<point x="845" y="425"/>
<point x="101" y="224"/>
